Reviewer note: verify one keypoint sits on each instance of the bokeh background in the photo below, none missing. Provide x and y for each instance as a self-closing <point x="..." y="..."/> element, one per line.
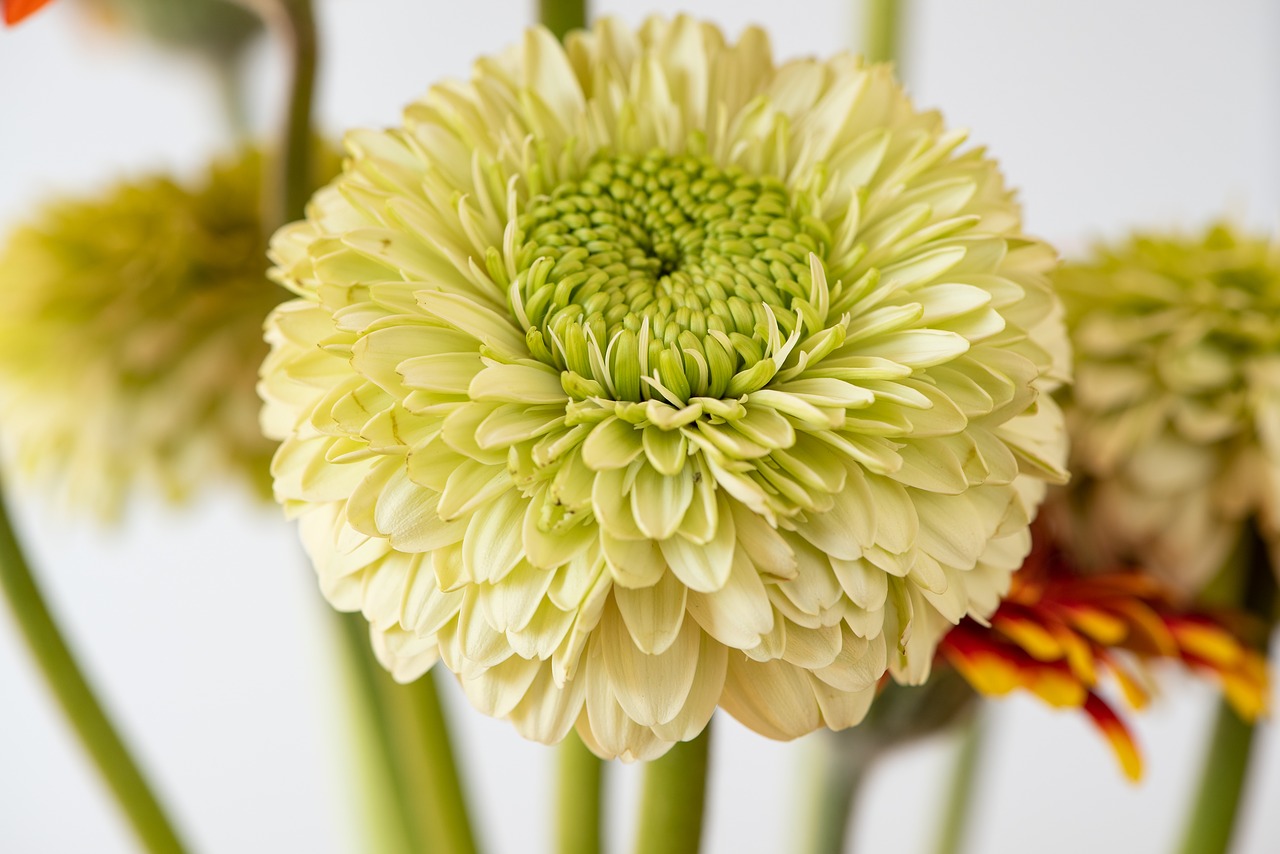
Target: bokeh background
<point x="203" y="628"/>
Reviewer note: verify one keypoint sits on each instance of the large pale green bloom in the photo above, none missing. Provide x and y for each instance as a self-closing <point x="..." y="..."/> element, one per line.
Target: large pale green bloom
<point x="131" y="337"/>
<point x="644" y="375"/>
<point x="1175" y="417"/>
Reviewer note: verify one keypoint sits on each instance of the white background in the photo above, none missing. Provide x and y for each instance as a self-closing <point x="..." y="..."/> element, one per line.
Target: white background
<point x="203" y="627"/>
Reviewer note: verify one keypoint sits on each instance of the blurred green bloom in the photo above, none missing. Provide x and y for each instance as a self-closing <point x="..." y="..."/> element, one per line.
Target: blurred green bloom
<point x="1175" y="416"/>
<point x="131" y="337"/>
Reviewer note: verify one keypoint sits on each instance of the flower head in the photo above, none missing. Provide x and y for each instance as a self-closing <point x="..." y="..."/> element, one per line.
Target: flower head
<point x="1059" y="631"/>
<point x="131" y="337"/>
<point x="1175" y="416"/>
<point x="643" y="375"/>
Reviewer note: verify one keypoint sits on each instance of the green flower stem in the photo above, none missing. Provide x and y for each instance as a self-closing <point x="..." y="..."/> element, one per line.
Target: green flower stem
<point x="1226" y="766"/>
<point x="579" y="783"/>
<point x="837" y="777"/>
<point x="294" y="172"/>
<point x="391" y="819"/>
<point x="561" y="16"/>
<point x="963" y="785"/>
<point x="882" y="40"/>
<point x="1222" y="780"/>
<point x="415" y="754"/>
<point x="78" y="702"/>
<point x="673" y="798"/>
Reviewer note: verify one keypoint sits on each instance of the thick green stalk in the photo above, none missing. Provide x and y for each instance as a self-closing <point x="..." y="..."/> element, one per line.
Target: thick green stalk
<point x="86" y="715"/>
<point x="392" y="822"/>
<point x="432" y="770"/>
<point x="673" y="799"/>
<point x="1225" y="772"/>
<point x="837" y="777"/>
<point x="882" y="41"/>
<point x="414" y="754"/>
<point x="964" y="778"/>
<point x="579" y="783"/>
<point x="561" y="16"/>
<point x="1222" y="780"/>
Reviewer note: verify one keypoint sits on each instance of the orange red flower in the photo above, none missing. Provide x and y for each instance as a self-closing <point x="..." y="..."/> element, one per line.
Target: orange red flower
<point x="1058" y="631"/>
<point x="16" y="10"/>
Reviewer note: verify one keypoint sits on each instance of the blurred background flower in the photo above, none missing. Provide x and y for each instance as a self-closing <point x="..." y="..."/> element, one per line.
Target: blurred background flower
<point x="132" y="334"/>
<point x="1175" y="420"/>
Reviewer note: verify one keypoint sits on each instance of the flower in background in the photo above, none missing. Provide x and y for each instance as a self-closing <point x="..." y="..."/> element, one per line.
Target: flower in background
<point x="16" y="10"/>
<point x="131" y="337"/>
<point x="1175" y="415"/>
<point x="1058" y="632"/>
<point x="642" y="375"/>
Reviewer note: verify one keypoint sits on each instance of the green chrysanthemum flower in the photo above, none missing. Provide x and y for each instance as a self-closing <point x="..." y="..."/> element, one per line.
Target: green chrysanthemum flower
<point x="131" y="337"/>
<point x="1175" y="417"/>
<point x="645" y="375"/>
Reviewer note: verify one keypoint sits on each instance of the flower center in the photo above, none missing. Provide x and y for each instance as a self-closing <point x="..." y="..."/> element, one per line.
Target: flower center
<point x="661" y="276"/>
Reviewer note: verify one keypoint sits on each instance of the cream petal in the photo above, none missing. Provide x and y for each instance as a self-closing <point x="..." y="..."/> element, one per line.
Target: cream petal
<point x="633" y="563"/>
<point x="547" y="713"/>
<point x="703" y="568"/>
<point x="651" y="688"/>
<point x="739" y="613"/>
<point x="708" y="685"/>
<point x="841" y="710"/>
<point x="498" y="690"/>
<point x="859" y="664"/>
<point x="492" y="545"/>
<point x="653" y="615"/>
<point x="773" y="698"/>
<point x="511" y="603"/>
<point x="659" y="502"/>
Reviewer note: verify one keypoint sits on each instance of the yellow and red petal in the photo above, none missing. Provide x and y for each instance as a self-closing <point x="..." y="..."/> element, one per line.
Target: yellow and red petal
<point x="1117" y="734"/>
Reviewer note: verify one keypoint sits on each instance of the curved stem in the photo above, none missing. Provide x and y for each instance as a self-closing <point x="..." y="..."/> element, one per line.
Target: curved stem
<point x="294" y="172"/>
<point x="959" y="804"/>
<point x="579" y="783"/>
<point x="837" y="779"/>
<point x="882" y="40"/>
<point x="72" y="691"/>
<point x="673" y="799"/>
<point x="561" y="16"/>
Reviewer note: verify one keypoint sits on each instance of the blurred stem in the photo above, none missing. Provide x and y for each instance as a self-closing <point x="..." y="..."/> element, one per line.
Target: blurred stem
<point x="235" y="111"/>
<point x="964" y="777"/>
<point x="837" y="776"/>
<point x="882" y="41"/>
<point x="289" y="181"/>
<point x="390" y="817"/>
<point x="1225" y="772"/>
<point x="561" y="16"/>
<point x="673" y="799"/>
<point x="87" y="717"/>
<point x="293" y="178"/>
<point x="579" y="781"/>
<point x="416" y="754"/>
<point x="1222" y="779"/>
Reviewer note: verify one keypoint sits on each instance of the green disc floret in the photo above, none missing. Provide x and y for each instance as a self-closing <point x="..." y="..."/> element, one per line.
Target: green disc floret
<point x="667" y="268"/>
